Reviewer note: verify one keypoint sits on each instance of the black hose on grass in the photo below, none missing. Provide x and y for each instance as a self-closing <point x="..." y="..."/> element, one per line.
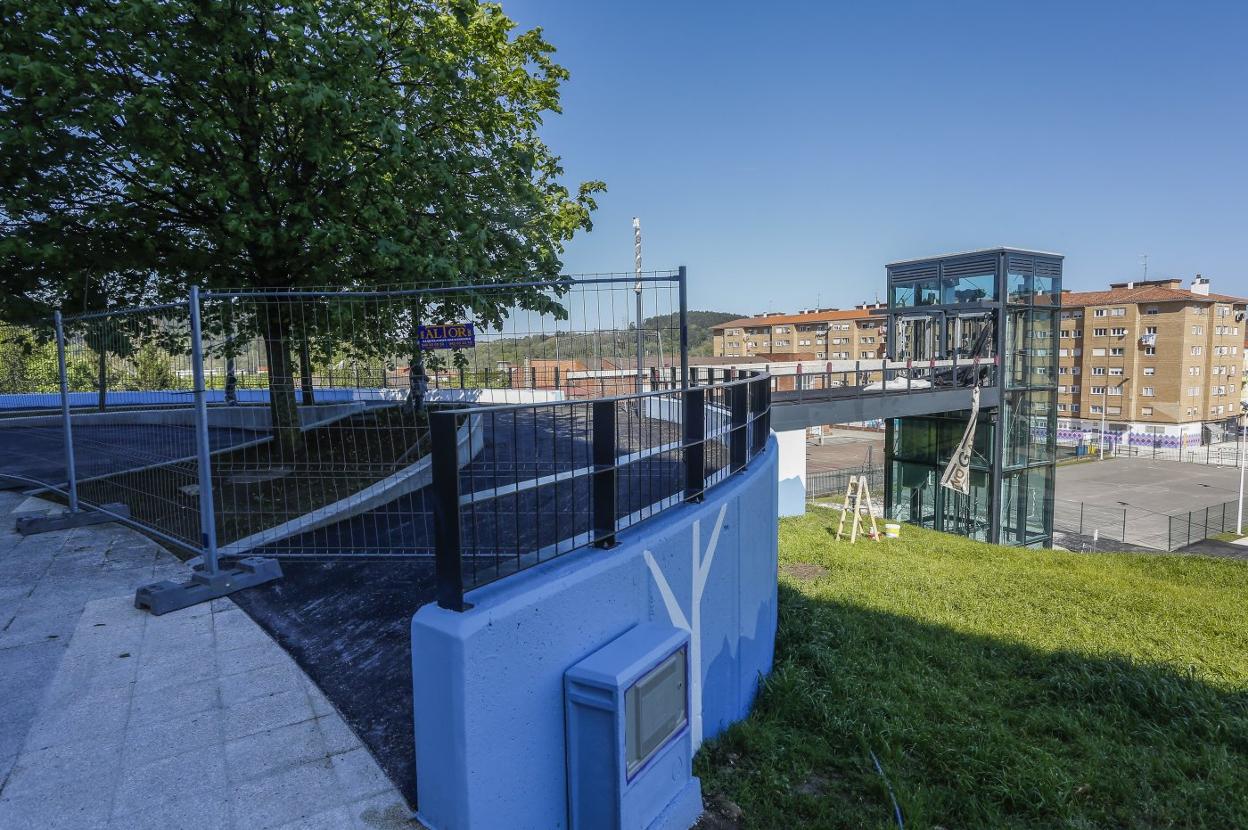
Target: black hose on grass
<point x="901" y="824"/>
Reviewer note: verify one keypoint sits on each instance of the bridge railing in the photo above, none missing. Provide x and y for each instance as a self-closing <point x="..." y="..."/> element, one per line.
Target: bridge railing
<point x="824" y="379"/>
<point x="562" y="475"/>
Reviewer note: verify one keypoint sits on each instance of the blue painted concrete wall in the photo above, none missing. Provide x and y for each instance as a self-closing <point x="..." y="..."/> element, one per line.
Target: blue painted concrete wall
<point x="488" y="683"/>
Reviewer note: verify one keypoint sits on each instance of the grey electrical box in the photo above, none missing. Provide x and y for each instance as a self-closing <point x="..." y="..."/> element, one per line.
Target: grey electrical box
<point x="655" y="708"/>
<point x="629" y="749"/>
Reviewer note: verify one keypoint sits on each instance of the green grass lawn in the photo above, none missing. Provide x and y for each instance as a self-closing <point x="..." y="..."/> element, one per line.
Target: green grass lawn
<point x="998" y="687"/>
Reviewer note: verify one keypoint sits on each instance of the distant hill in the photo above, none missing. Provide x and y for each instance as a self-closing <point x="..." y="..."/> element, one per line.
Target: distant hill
<point x="700" y="322"/>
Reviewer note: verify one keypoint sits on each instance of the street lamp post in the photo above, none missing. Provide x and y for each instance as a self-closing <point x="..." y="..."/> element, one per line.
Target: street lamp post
<point x="1239" y="423"/>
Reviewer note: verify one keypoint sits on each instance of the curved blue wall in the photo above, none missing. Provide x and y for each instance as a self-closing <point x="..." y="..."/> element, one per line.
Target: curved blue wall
<point x="488" y="683"/>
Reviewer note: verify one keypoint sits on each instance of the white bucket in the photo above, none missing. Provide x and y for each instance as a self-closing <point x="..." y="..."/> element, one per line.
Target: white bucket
<point x="892" y="530"/>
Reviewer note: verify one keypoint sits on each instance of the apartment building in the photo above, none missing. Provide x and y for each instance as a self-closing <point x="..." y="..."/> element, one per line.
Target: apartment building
<point x="1150" y="358"/>
<point x="825" y="333"/>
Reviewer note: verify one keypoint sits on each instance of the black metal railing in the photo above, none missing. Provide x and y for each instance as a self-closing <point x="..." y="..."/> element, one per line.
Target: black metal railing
<point x="558" y="476"/>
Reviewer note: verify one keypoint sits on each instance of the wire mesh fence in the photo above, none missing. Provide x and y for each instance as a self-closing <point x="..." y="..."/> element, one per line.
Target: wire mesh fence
<point x="833" y="483"/>
<point x="1188" y="449"/>
<point x="309" y="424"/>
<point x="1081" y="526"/>
<point x="563" y="475"/>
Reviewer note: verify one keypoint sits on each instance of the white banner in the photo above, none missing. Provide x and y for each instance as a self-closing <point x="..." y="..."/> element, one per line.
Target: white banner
<point x="958" y="474"/>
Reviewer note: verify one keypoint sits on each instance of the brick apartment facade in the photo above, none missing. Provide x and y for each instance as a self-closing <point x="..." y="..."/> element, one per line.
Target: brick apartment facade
<point x="827" y="334"/>
<point x="1157" y="358"/>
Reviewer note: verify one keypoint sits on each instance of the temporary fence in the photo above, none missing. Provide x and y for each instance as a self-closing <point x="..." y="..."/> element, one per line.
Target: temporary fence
<point x="220" y="424"/>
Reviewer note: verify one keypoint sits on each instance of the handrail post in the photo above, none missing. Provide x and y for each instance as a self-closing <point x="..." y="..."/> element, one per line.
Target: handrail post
<point x="207" y="509"/>
<point x="448" y="546"/>
<point x="758" y="437"/>
<point x="71" y="470"/>
<point x="738" y="440"/>
<point x="694" y="418"/>
<point x="603" y="484"/>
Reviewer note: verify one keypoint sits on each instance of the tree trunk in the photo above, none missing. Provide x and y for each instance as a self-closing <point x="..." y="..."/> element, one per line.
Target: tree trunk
<point x="305" y="372"/>
<point x="102" y="379"/>
<point x="284" y="409"/>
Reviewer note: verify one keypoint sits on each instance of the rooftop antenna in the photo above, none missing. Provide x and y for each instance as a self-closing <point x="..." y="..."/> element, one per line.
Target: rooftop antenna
<point x="1144" y="259"/>
<point x="641" y="372"/>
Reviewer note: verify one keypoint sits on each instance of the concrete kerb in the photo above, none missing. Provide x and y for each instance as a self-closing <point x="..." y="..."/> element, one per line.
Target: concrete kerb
<point x="470" y="440"/>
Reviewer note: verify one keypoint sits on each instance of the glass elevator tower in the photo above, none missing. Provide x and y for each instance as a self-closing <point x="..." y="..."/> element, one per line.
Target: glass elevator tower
<point x="995" y="312"/>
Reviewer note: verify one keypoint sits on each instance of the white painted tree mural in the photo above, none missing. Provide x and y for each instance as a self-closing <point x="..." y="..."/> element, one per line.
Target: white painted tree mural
<point x="701" y="569"/>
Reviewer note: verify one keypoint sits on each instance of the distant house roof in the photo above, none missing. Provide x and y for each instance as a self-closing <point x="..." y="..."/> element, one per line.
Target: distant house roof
<point x="1159" y="291"/>
<point x="822" y="316"/>
<point x="744" y="360"/>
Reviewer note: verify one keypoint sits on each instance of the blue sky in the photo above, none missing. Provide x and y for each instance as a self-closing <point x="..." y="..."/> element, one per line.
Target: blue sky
<point x="785" y="152"/>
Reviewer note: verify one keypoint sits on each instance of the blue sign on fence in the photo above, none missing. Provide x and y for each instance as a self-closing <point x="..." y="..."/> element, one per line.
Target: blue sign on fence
<point x="449" y="336"/>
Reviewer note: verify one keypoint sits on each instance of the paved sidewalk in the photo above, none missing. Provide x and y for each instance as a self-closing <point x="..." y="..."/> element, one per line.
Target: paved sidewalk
<point x="110" y="717"/>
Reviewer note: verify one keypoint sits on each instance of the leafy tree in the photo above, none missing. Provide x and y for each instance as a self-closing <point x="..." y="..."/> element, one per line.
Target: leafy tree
<point x="106" y="340"/>
<point x="152" y="370"/>
<point x="282" y="145"/>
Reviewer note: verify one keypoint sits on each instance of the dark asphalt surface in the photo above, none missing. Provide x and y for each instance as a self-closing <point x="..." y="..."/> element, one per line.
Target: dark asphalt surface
<point x="37" y="453"/>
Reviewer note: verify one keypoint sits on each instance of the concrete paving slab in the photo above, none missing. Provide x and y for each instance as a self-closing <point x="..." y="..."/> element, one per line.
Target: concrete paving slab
<point x="274" y="750"/>
<point x="195" y="720"/>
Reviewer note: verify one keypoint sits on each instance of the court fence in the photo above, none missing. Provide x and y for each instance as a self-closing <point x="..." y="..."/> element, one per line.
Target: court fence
<point x="220" y="426"/>
<point x="1153" y="448"/>
<point x="1086" y="527"/>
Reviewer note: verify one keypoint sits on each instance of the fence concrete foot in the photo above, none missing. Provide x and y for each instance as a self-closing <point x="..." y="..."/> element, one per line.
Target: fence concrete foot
<point x="45" y="522"/>
<point x="163" y="597"/>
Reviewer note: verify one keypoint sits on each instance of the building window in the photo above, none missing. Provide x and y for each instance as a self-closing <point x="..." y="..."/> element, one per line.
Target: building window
<point x="1119" y="332"/>
<point x="1150" y="370"/>
<point x="1150" y="350"/>
<point x="1150" y="329"/>
<point x="1147" y="391"/>
<point x="1197" y="351"/>
<point x="1198" y="330"/>
<point x="1074" y="407"/>
<point x="1115" y="390"/>
<point x="1099" y="332"/>
<point x="1098" y="390"/>
<point x="1152" y="309"/>
<point x="1061" y="407"/>
<point x="1100" y="312"/>
<point x="1074" y="370"/>
<point x="1098" y="352"/>
<point x="1095" y="408"/>
<point x="1193" y="370"/>
<point x="1098" y="370"/>
<point x="1115" y="370"/>
<point x="1146" y="410"/>
<point x="1117" y="352"/>
<point x="1117" y="312"/>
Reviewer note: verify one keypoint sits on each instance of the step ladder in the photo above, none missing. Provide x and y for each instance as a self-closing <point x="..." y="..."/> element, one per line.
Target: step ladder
<point x="857" y="497"/>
